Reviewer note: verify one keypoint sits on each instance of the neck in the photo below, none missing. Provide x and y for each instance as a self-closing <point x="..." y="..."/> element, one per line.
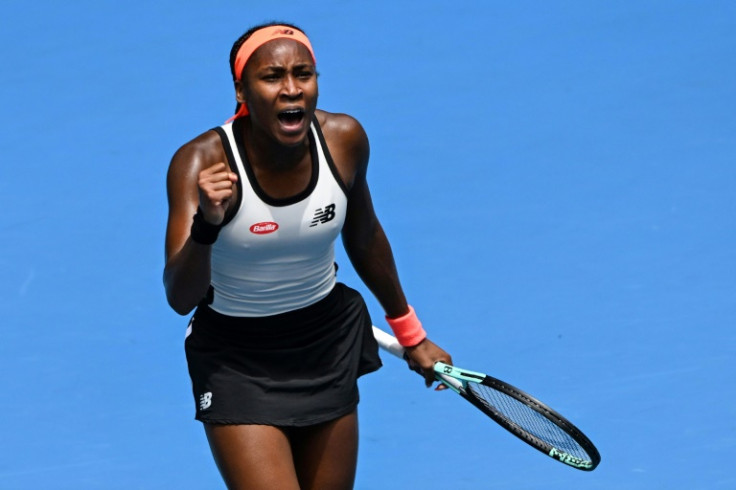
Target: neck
<point x="267" y="153"/>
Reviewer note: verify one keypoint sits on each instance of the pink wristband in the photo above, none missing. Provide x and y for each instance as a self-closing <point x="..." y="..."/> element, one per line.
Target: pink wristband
<point x="407" y="328"/>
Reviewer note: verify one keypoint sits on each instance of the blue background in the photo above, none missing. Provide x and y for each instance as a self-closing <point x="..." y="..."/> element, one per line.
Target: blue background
<point x="556" y="178"/>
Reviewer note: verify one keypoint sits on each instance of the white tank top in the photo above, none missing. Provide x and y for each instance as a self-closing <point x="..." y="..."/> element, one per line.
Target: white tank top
<point x="277" y="255"/>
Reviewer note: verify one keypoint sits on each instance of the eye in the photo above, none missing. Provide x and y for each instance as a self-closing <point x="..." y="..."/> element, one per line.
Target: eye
<point x="303" y="72"/>
<point x="271" y="75"/>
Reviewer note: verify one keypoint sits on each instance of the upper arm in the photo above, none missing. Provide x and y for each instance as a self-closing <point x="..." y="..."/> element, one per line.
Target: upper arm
<point x="182" y="190"/>
<point x="361" y="222"/>
<point x="348" y="144"/>
<point x="350" y="150"/>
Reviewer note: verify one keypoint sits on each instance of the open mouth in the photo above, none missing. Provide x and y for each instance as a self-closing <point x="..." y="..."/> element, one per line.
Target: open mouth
<point x="291" y="117"/>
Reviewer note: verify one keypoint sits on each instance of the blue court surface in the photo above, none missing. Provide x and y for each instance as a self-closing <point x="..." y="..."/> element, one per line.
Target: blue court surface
<point x="557" y="179"/>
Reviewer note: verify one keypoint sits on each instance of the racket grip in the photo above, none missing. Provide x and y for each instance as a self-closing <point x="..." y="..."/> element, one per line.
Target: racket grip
<point x="388" y="342"/>
<point x="391" y="344"/>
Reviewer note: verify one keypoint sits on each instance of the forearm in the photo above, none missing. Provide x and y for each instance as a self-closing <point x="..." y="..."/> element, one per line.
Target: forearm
<point x="187" y="276"/>
<point x="373" y="260"/>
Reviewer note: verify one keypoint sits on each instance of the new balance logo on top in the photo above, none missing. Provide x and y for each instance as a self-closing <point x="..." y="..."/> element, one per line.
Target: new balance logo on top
<point x="323" y="215"/>
<point x="205" y="400"/>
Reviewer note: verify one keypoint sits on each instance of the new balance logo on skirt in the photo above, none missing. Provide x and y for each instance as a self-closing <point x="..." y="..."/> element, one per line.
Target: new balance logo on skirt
<point x="205" y="400"/>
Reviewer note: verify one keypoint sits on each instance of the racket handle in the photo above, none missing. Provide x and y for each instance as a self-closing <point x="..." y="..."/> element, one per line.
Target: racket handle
<point x="388" y="342"/>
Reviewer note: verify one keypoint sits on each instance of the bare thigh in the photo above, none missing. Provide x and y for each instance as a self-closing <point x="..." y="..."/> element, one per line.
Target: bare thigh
<point x="326" y="455"/>
<point x="253" y="457"/>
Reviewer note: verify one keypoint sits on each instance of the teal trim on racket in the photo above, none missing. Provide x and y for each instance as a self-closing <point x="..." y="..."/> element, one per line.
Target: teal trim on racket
<point x="455" y="378"/>
<point x="457" y="373"/>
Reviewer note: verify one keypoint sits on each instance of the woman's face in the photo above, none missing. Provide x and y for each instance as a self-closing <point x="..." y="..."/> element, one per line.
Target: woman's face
<point x="280" y="88"/>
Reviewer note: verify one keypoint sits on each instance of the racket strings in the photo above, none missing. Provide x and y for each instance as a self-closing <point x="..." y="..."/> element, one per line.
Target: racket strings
<point x="527" y="420"/>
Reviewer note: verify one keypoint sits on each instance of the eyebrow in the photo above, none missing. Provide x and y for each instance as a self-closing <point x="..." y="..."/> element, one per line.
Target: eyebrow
<point x="300" y="66"/>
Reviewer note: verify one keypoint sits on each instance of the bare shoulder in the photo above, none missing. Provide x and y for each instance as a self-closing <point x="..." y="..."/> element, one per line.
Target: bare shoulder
<point x="203" y="151"/>
<point x="341" y="126"/>
<point x="347" y="141"/>
<point x="337" y="121"/>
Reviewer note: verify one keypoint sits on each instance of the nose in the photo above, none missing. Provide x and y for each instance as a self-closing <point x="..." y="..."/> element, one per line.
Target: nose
<point x="291" y="87"/>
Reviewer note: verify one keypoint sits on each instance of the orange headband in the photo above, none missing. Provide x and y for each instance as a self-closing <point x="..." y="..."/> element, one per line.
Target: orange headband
<point x="258" y="39"/>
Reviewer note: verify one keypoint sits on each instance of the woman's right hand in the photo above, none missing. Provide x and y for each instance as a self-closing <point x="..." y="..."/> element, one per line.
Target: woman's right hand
<point x="215" y="185"/>
<point x="422" y="358"/>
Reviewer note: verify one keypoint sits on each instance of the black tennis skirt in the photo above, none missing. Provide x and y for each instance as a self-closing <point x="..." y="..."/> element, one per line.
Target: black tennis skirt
<point x="289" y="370"/>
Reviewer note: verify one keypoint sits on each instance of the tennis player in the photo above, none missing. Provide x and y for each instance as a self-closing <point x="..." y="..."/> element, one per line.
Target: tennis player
<point x="276" y="344"/>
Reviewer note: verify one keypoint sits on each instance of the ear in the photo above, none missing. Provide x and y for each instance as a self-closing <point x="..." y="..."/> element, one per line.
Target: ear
<point x="240" y="92"/>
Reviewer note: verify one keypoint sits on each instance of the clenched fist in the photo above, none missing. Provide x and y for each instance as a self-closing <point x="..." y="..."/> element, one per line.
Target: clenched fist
<point x="215" y="192"/>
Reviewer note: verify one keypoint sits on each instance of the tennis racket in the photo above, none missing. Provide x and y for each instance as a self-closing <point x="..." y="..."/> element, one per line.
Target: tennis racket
<point x="520" y="413"/>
